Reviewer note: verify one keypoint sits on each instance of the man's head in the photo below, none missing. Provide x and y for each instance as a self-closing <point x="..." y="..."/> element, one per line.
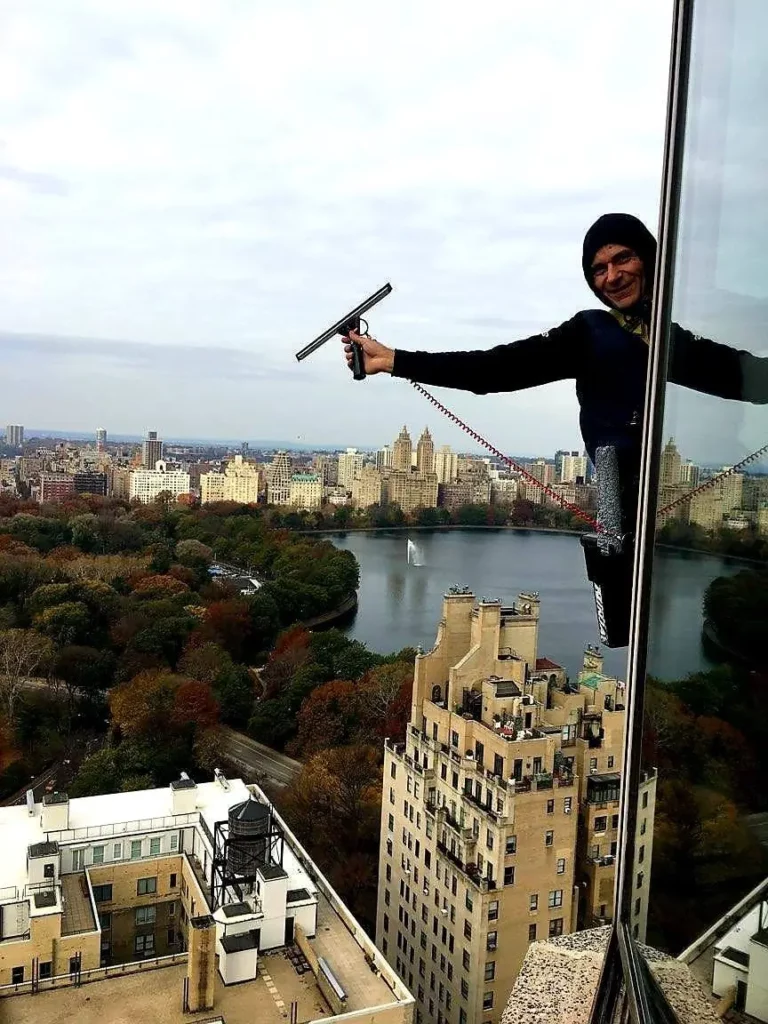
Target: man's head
<point x="618" y="260"/>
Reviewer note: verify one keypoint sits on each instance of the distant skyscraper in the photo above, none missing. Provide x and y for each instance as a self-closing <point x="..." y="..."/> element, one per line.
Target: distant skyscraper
<point x="572" y="466"/>
<point x="101" y="439"/>
<point x="689" y="474"/>
<point x="446" y="465"/>
<point x="350" y="466"/>
<point x="402" y="451"/>
<point x="14" y="435"/>
<point x="279" y="481"/>
<point x="670" y="465"/>
<point x="384" y="458"/>
<point x="425" y="453"/>
<point x="151" y="450"/>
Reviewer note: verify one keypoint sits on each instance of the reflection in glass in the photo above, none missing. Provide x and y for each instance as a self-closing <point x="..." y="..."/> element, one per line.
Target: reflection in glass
<point x="706" y="728"/>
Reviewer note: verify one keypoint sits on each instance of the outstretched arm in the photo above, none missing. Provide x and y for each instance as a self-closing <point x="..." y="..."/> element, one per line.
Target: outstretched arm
<point x="540" y="359"/>
<point x="717" y="369"/>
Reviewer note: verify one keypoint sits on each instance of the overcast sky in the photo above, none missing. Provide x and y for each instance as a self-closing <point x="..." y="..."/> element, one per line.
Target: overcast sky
<point x="191" y="191"/>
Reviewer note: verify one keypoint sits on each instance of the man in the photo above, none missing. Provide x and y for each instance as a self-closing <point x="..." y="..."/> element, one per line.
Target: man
<point x="604" y="351"/>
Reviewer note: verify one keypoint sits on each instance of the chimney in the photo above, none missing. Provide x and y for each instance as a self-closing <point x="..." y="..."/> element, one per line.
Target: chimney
<point x="55" y="814"/>
<point x="183" y="795"/>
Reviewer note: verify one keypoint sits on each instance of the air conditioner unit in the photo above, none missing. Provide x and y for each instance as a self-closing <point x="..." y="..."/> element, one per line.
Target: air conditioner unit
<point x="593" y="771"/>
<point x="444" y="911"/>
<point x="425" y="890"/>
<point x="567" y="810"/>
<point x="408" y="872"/>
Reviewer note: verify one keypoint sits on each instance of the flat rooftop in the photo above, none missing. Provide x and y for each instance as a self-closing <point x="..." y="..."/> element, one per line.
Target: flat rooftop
<point x="153" y="996"/>
<point x="113" y="813"/>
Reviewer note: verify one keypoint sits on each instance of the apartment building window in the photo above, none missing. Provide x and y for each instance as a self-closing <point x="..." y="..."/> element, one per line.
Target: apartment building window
<point x="416" y="788"/>
<point x="509" y="876"/>
<point x="117" y="851"/>
<point x="533" y="901"/>
<point x="78" y="859"/>
<point x="615" y="821"/>
<point x="464" y="988"/>
<point x="601" y="823"/>
<point x="556" y="926"/>
<point x="448" y="999"/>
<point x="455" y="780"/>
<point x="531" y="932"/>
<point x="550" y="806"/>
<point x="549" y="837"/>
<point x="467" y="930"/>
<point x="489" y="839"/>
<point x="146" y="886"/>
<point x="479" y="752"/>
<point x="449" y="971"/>
<point x="174" y="840"/>
<point x="135" y="849"/>
<point x="493" y="910"/>
<point x="561" y="865"/>
<point x="610" y="760"/>
<point x="144" y="945"/>
<point x="593" y="764"/>
<point x="468" y="900"/>
<point x="393" y="770"/>
<point x="555" y="898"/>
<point x="443" y="772"/>
<point x="567" y="804"/>
<point x="386" y="922"/>
<point x="462" y="1015"/>
<point x="450" y="943"/>
<point x="465" y="959"/>
<point x="595" y="851"/>
<point x="511" y="844"/>
<point x="46" y="970"/>
<point x="487" y="1000"/>
<point x="392" y="796"/>
<point x="422" y="970"/>
<point x="102" y="893"/>
<point x="154" y="846"/>
<point x="490" y="970"/>
<point x="408" y="783"/>
<point x="105" y="920"/>
<point x="637" y="906"/>
<point x="491" y="941"/>
<point x="391" y="823"/>
<point x="172" y="908"/>
<point x="17" y="975"/>
<point x="146" y="915"/>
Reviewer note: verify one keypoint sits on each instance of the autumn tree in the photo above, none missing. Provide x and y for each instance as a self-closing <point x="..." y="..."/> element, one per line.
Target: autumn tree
<point x="336" y="803"/>
<point x="23" y="653"/>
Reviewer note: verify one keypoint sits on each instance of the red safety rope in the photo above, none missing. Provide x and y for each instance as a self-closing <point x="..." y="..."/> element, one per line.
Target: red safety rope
<point x="567" y="505"/>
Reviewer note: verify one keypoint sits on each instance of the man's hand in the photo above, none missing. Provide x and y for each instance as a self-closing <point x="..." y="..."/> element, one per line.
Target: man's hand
<point x="377" y="358"/>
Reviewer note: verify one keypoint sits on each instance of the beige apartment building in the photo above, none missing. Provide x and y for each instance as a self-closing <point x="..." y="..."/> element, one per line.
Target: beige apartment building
<point x="711" y="505"/>
<point x="239" y="482"/>
<point x="200" y="888"/>
<point x="306" y="491"/>
<point x="366" y="488"/>
<point x="499" y="812"/>
<point x="410" y="490"/>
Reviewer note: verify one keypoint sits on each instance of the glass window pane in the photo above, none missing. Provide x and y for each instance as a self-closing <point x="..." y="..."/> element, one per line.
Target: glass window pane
<point x="706" y="716"/>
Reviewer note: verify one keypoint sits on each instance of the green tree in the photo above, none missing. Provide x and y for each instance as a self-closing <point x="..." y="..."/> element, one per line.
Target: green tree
<point x="67" y="623"/>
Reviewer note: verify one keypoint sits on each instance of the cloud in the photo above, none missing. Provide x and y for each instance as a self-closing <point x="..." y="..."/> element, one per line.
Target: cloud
<point x="204" y="187"/>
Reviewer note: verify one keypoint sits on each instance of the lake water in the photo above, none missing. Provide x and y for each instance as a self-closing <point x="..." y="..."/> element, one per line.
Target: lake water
<point x="400" y="602"/>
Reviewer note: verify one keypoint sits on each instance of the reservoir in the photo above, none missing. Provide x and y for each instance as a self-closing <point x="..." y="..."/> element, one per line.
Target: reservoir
<point x="402" y="585"/>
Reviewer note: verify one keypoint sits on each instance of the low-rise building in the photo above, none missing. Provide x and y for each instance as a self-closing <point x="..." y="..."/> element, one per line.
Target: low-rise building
<point x="55" y="487"/>
<point x="203" y="878"/>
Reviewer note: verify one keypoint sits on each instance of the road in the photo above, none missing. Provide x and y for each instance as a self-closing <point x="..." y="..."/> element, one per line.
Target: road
<point x="256" y="761"/>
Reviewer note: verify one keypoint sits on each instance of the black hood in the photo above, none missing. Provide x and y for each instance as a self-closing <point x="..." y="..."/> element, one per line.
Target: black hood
<point x="620" y="229"/>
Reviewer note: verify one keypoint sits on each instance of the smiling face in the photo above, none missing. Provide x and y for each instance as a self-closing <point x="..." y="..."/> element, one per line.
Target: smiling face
<point x="618" y="274"/>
